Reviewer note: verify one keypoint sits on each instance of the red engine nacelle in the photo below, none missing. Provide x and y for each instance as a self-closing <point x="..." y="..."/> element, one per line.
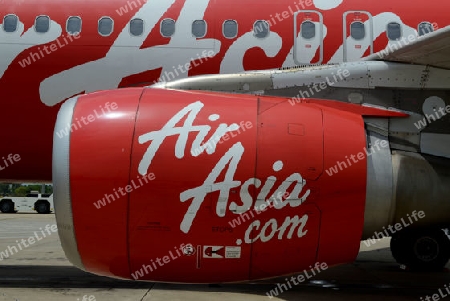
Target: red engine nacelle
<point x="198" y="187"/>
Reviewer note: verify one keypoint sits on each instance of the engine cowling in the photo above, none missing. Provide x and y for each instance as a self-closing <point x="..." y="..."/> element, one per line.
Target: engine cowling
<point x="198" y="187"/>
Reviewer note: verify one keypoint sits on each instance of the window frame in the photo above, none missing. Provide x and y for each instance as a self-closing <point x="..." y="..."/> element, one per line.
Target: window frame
<point x="387" y="31"/>
<point x="98" y="26"/>
<point x="365" y="32"/>
<point x="67" y="24"/>
<point x="161" y="27"/>
<point x="143" y="27"/>
<point x="223" y="29"/>
<point x="17" y="23"/>
<point x="206" y="28"/>
<point x="49" y="24"/>
<point x="315" y="30"/>
<point x="268" y="29"/>
<point x="424" y="22"/>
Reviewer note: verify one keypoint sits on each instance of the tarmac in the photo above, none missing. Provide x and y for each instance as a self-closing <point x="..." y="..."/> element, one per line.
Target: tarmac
<point x="42" y="272"/>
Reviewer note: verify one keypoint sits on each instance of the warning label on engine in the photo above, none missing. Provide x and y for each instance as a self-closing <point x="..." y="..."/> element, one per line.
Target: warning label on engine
<point x="232" y="252"/>
<point x="221" y="252"/>
<point x="213" y="252"/>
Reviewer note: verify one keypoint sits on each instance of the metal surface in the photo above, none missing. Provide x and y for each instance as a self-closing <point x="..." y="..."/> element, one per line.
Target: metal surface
<point x="379" y="195"/>
<point x="61" y="183"/>
<point x="402" y="183"/>
<point x="435" y="144"/>
<point x="431" y="49"/>
<point x="242" y="83"/>
<point x="421" y="183"/>
<point x="355" y="75"/>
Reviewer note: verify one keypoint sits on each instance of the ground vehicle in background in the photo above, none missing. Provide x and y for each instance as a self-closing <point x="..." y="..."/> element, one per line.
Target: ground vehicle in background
<point x="34" y="201"/>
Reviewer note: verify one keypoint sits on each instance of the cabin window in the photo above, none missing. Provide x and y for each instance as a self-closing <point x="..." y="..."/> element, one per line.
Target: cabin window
<point x="42" y="24"/>
<point x="308" y="30"/>
<point x="73" y="25"/>
<point x="230" y="29"/>
<point x="167" y="28"/>
<point x="199" y="28"/>
<point x="358" y="30"/>
<point x="137" y="27"/>
<point x="261" y="29"/>
<point x="10" y="23"/>
<point x="105" y="26"/>
<point x="394" y="31"/>
<point x="424" y="28"/>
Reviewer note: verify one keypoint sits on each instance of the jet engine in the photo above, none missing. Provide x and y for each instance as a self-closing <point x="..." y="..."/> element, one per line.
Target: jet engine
<point x="203" y="187"/>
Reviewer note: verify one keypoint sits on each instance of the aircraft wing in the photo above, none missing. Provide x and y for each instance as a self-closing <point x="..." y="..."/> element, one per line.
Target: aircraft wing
<point x="411" y="76"/>
<point x="432" y="49"/>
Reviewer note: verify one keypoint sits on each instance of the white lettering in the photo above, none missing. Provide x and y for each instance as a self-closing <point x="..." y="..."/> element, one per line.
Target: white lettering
<point x="229" y="161"/>
<point x="170" y="129"/>
<point x="198" y="194"/>
<point x="233" y="60"/>
<point x="294" y="223"/>
<point x="125" y="57"/>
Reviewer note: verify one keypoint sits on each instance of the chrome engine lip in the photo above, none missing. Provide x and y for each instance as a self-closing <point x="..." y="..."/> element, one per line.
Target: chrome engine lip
<point x="61" y="183"/>
<point x="380" y="202"/>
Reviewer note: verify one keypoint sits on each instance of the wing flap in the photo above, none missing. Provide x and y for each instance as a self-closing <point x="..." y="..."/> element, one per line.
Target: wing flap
<point x="432" y="49"/>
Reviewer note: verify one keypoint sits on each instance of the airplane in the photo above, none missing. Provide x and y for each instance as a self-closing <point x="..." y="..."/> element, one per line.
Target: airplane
<point x="206" y="141"/>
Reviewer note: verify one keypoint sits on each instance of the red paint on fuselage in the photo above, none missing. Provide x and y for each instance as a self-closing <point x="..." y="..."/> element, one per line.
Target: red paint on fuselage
<point x="27" y="123"/>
